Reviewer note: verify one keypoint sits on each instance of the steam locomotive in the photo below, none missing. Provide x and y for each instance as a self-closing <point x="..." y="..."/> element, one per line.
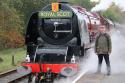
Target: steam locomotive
<point x="56" y="39"/>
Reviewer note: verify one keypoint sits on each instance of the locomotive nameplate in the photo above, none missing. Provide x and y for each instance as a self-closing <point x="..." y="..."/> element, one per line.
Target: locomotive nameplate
<point x="50" y="14"/>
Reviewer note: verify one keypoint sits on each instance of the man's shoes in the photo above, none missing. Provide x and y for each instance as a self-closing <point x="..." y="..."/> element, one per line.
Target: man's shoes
<point x="108" y="73"/>
<point x="98" y="71"/>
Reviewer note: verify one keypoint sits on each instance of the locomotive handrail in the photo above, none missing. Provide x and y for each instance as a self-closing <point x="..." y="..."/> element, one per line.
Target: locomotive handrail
<point x="66" y="54"/>
<point x="36" y="52"/>
<point x="60" y="31"/>
<point x="63" y="31"/>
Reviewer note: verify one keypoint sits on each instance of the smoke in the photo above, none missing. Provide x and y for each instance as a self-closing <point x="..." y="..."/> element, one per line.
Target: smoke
<point x="117" y="57"/>
<point x="118" y="54"/>
<point x="102" y="6"/>
<point x="120" y="3"/>
<point x="105" y="4"/>
<point x="83" y="68"/>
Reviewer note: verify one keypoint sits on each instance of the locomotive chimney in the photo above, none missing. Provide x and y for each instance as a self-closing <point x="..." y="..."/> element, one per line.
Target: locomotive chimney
<point x="63" y="1"/>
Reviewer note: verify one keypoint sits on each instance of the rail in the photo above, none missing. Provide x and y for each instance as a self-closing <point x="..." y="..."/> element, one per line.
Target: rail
<point x="13" y="76"/>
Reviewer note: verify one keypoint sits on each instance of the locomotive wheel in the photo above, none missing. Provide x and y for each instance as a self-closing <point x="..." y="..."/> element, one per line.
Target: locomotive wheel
<point x="29" y="79"/>
<point x="63" y="40"/>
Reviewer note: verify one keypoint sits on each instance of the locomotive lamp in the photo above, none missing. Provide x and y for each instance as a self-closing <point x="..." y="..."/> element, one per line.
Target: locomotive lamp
<point x="73" y="60"/>
<point x="27" y="58"/>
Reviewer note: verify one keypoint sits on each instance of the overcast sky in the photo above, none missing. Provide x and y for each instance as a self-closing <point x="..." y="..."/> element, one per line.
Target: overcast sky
<point x="105" y="4"/>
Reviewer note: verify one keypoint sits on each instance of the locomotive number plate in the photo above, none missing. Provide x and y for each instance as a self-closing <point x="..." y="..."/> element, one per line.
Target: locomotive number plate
<point x="50" y="14"/>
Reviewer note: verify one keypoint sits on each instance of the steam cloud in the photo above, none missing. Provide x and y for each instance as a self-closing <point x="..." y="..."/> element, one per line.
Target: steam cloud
<point x="117" y="57"/>
<point x="105" y="4"/>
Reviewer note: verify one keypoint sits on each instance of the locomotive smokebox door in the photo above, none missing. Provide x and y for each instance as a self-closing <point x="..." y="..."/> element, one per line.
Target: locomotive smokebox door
<point x="57" y="24"/>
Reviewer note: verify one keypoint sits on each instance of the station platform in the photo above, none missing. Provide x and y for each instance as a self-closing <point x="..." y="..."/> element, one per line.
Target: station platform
<point x="102" y="78"/>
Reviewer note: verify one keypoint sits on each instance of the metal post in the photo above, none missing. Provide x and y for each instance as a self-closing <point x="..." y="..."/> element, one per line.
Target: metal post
<point x="13" y="60"/>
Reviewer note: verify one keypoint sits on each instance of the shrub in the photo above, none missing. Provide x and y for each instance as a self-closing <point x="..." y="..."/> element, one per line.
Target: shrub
<point x="11" y="39"/>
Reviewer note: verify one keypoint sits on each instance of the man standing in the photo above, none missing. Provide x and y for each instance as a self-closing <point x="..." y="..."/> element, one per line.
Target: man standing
<point x="103" y="48"/>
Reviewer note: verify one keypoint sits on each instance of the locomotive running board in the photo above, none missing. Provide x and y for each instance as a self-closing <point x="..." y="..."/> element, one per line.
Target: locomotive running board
<point x="53" y="50"/>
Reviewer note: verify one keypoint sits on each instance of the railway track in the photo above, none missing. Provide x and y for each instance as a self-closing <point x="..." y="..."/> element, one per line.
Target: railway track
<point x="13" y="76"/>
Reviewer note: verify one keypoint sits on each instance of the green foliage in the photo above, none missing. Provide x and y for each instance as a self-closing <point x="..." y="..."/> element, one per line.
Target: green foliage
<point x="11" y="26"/>
<point x="83" y="3"/>
<point x="11" y="39"/>
<point x="14" y="15"/>
<point x="114" y="13"/>
<point x="110" y="14"/>
<point x="6" y="56"/>
<point x="27" y="7"/>
<point x="10" y="18"/>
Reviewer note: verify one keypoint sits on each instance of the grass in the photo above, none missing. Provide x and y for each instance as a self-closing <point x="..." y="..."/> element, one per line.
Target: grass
<point x="6" y="55"/>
